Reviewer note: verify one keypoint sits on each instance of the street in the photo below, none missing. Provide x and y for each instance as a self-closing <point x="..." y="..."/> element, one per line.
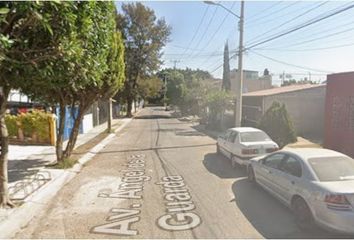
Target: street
<point x="161" y="178"/>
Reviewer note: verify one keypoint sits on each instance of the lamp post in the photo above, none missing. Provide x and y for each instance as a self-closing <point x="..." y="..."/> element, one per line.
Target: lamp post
<point x="238" y="107"/>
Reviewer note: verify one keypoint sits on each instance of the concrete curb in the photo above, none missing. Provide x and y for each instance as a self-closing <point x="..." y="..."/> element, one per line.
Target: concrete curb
<point x="20" y="217"/>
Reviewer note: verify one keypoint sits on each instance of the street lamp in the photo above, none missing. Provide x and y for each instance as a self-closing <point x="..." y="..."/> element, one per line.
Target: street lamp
<point x="238" y="108"/>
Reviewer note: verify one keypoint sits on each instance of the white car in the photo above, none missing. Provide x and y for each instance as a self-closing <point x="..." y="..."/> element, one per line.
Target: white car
<point x="317" y="184"/>
<point x="243" y="143"/>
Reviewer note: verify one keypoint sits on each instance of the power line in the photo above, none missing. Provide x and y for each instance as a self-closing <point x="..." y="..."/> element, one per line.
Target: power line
<point x="306" y="49"/>
<point x="322" y="37"/>
<point x="270" y="14"/>
<point x="218" y="29"/>
<point x="302" y="26"/>
<point x="206" y="29"/>
<point x="290" y="64"/>
<point x="196" y="32"/>
<point x="265" y="10"/>
<point x="290" y="20"/>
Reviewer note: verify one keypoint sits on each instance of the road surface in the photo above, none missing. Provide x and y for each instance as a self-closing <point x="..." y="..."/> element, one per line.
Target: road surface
<point x="161" y="178"/>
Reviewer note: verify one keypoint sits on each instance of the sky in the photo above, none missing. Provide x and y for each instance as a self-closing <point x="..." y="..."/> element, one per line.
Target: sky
<point x="200" y="31"/>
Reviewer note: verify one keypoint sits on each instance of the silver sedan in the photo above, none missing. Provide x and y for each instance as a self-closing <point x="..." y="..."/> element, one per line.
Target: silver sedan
<point x="317" y="184"/>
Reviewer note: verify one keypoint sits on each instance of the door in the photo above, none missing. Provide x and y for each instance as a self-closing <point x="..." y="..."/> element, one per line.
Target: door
<point x="289" y="178"/>
<point x="223" y="143"/>
<point x="230" y="144"/>
<point x="267" y="171"/>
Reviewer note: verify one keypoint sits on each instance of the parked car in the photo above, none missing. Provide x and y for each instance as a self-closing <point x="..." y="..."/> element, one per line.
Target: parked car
<point x="243" y="143"/>
<point x="317" y="184"/>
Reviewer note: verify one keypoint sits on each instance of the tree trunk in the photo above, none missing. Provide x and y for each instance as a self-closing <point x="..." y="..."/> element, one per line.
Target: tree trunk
<point x="59" y="145"/>
<point x="4" y="136"/>
<point x="75" y="131"/>
<point x="129" y="106"/>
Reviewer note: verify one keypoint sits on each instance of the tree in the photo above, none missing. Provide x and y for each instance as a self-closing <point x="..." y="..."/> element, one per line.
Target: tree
<point x="176" y="87"/>
<point x="149" y="87"/>
<point x="91" y="66"/>
<point x="226" y="82"/>
<point x="144" y="37"/>
<point x="277" y="123"/>
<point x="67" y="53"/>
<point x="216" y="101"/>
<point x="24" y="30"/>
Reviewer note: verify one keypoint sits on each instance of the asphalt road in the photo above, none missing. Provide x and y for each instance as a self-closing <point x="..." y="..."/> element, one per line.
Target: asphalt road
<point x="161" y="178"/>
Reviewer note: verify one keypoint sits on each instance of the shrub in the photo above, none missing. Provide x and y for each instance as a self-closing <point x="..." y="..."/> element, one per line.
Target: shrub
<point x="277" y="124"/>
<point x="35" y="122"/>
<point x="12" y="125"/>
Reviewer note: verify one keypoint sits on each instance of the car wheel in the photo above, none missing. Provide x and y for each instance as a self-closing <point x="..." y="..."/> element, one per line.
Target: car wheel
<point x="303" y="215"/>
<point x="250" y="174"/>
<point x="233" y="162"/>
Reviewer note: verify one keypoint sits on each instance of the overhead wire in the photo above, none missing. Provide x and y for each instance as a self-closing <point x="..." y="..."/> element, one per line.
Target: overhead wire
<point x="290" y="20"/>
<point x="301" y="26"/>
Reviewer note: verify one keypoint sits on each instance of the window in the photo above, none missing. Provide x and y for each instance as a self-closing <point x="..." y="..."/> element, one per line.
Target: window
<point x="292" y="166"/>
<point x="254" y="137"/>
<point x="232" y="136"/>
<point x="274" y="160"/>
<point x="333" y="168"/>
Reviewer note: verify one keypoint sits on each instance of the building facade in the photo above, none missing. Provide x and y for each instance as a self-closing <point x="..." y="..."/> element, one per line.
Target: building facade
<point x="304" y="103"/>
<point x="251" y="81"/>
<point x="339" y="124"/>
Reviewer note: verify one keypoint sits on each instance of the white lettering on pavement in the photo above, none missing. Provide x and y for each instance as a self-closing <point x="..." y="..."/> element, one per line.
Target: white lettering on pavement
<point x="180" y="215"/>
<point x="120" y="220"/>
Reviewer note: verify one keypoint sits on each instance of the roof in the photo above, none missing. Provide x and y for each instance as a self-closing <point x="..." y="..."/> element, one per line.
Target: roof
<point x="307" y="153"/>
<point x="246" y="129"/>
<point x="280" y="90"/>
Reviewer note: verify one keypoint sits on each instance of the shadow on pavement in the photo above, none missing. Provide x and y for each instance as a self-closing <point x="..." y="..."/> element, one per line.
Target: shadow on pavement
<point x="270" y="217"/>
<point x="20" y="169"/>
<point x="189" y="133"/>
<point x="153" y="117"/>
<point x="221" y="166"/>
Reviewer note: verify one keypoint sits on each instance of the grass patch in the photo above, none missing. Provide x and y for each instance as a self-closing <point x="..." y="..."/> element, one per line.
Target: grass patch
<point x="65" y="164"/>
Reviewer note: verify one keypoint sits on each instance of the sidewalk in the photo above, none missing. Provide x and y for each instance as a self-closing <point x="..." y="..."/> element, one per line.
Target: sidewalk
<point x="25" y="162"/>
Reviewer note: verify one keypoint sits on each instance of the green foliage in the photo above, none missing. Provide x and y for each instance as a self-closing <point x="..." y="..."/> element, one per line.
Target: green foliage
<point x="66" y="163"/>
<point x="150" y="87"/>
<point x="144" y="36"/>
<point x="12" y="125"/>
<point x="226" y="81"/>
<point x="277" y="123"/>
<point x="216" y="101"/>
<point x="176" y="88"/>
<point x="35" y="122"/>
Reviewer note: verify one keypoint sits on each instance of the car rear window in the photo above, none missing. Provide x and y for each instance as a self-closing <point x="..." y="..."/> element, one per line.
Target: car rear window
<point x="254" y="137"/>
<point x="333" y="168"/>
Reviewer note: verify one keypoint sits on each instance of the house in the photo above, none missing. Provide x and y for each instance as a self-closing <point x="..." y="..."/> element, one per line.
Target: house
<point x="339" y="118"/>
<point x="251" y="81"/>
<point x="304" y="103"/>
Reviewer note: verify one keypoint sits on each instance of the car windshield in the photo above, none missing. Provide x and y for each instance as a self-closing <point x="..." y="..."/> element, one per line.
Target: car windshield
<point x="254" y="137"/>
<point x="333" y="168"/>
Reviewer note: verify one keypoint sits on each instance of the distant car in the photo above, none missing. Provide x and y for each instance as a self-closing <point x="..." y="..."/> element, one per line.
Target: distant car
<point x="243" y="143"/>
<point x="317" y="184"/>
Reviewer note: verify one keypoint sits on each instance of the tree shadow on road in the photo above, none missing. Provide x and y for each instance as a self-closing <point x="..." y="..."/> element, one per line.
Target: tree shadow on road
<point x="221" y="166"/>
<point x="270" y="217"/>
<point x="21" y="169"/>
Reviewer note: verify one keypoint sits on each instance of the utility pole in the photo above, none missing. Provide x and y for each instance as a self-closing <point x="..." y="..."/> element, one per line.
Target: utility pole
<point x="175" y="63"/>
<point x="239" y="75"/>
<point x="238" y="109"/>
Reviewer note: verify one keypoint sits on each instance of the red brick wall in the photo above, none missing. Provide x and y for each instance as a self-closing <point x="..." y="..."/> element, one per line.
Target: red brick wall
<point x="339" y="114"/>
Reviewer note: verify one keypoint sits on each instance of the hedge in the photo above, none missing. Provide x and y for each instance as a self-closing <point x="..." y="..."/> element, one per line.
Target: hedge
<point x="33" y="125"/>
